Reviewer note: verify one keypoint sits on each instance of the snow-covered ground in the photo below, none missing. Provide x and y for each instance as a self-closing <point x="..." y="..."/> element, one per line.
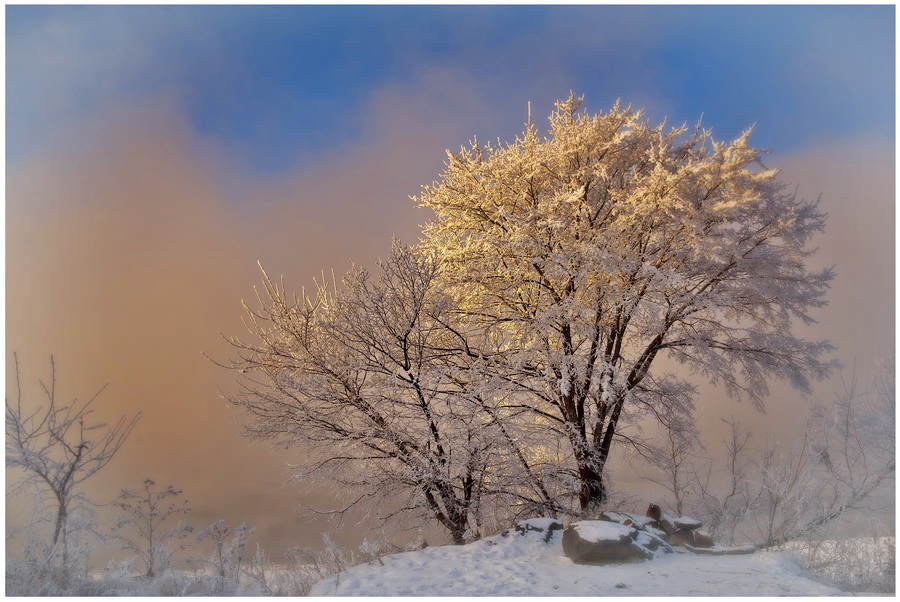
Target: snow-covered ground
<point x="524" y="565"/>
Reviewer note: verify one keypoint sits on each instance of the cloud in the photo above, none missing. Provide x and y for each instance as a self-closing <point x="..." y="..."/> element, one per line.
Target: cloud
<point x="856" y="181"/>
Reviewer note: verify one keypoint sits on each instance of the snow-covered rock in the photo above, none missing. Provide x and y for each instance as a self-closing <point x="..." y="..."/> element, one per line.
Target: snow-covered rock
<point x="662" y="528"/>
<point x="687" y="523"/>
<point x="603" y="542"/>
<point x="702" y="539"/>
<point x="542" y="529"/>
<point x="721" y="550"/>
<point x="641" y="523"/>
<point x="597" y="531"/>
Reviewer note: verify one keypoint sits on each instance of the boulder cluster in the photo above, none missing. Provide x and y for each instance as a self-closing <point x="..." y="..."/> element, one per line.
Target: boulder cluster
<point x="682" y="531"/>
<point x="623" y="537"/>
<point x="627" y="537"/>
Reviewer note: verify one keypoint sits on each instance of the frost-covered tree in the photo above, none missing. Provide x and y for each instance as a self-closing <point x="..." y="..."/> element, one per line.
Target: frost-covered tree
<point x="57" y="447"/>
<point x="374" y="384"/>
<point x="837" y="471"/>
<point x="589" y="255"/>
<point x="844" y="463"/>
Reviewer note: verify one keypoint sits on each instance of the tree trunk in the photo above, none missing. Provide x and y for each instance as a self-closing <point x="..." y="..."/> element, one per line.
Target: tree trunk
<point x="59" y="532"/>
<point x="593" y="492"/>
<point x="589" y="460"/>
<point x="458" y="522"/>
<point x="457" y="534"/>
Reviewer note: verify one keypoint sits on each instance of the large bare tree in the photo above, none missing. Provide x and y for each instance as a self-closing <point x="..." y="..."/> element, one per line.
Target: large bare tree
<point x="375" y="386"/>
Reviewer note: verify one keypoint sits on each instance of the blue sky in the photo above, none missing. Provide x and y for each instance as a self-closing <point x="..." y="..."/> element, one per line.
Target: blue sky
<point x="279" y="80"/>
<point x="156" y="153"/>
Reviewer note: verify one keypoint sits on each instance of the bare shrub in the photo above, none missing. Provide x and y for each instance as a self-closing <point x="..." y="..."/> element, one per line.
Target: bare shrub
<point x="148" y="527"/>
<point x="229" y="554"/>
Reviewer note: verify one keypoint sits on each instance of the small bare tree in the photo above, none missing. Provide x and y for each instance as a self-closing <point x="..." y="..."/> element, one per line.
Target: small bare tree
<point x="724" y="509"/>
<point x="845" y="459"/>
<point x="775" y="495"/>
<point x="146" y="524"/>
<point x="673" y="453"/>
<point x="839" y="467"/>
<point x="58" y="448"/>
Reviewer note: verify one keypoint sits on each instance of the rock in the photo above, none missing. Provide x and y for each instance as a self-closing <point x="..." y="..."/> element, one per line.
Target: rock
<point x="721" y="551"/>
<point x="680" y="531"/>
<point x="602" y="542"/>
<point x="686" y="523"/>
<point x="681" y="537"/>
<point x="641" y="522"/>
<point x="652" y="542"/>
<point x="667" y="524"/>
<point x="616" y="517"/>
<point x="702" y="539"/>
<point x="657" y="532"/>
<point x="648" y="536"/>
<point x="536" y="528"/>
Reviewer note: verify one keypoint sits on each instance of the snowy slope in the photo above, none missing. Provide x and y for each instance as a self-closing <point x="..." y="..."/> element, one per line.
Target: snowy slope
<point x="517" y="565"/>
